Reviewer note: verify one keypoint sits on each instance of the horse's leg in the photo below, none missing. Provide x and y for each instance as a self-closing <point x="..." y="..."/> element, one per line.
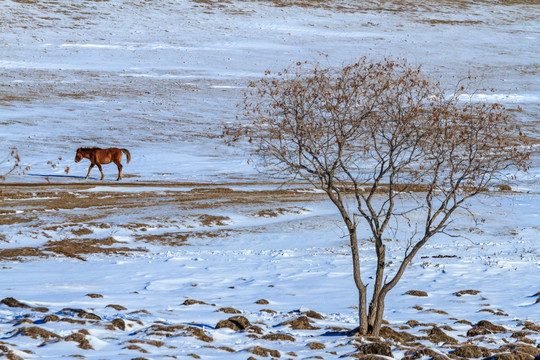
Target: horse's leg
<point x="89" y="169"/>
<point x="119" y="170"/>
<point x="100" y="170"/>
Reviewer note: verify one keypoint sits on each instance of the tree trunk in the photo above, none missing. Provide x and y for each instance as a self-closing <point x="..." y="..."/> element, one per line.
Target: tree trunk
<point x="363" y="326"/>
<point x="376" y="315"/>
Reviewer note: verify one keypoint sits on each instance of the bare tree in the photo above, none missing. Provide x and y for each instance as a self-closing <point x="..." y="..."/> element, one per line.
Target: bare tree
<point x="388" y="147"/>
<point x="13" y="163"/>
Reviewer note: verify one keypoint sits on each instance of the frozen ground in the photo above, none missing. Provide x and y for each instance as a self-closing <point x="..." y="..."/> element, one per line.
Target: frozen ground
<point x="151" y="271"/>
<point x="103" y="271"/>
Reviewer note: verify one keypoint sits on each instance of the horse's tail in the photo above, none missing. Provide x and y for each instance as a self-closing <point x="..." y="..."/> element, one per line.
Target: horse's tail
<point x="128" y="155"/>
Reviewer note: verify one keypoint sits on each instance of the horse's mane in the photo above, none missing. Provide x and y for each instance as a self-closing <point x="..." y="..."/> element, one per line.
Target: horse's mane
<point x="88" y="148"/>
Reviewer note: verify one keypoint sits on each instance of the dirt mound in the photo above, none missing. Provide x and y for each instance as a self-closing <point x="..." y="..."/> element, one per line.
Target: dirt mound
<point x="177" y="330"/>
<point x="314" y="315"/>
<point x="300" y="323"/>
<point x="521" y="348"/>
<point x="466" y="292"/>
<point x="278" y="337"/>
<point x="193" y="302"/>
<point x="260" y="351"/>
<point x="229" y="310"/>
<point x="35" y="332"/>
<point x="529" y="325"/>
<point x="436" y="336"/>
<point x="316" y="346"/>
<point x="80" y="313"/>
<point x="81" y="339"/>
<point x="397" y="336"/>
<point x="421" y="353"/>
<point x="119" y="324"/>
<point x="236" y="323"/>
<point x="484" y="327"/>
<point x="416" y="293"/>
<point x="471" y="351"/>
<point x="377" y="348"/>
<point x="12" y="302"/>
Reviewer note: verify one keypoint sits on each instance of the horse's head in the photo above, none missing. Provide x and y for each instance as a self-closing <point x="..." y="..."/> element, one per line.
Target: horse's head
<point x="79" y="156"/>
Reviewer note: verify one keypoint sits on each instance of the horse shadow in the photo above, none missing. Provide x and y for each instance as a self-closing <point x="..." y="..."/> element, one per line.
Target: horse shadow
<point x="55" y="176"/>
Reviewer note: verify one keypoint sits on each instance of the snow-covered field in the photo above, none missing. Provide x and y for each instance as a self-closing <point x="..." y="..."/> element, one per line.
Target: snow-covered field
<point x="147" y="268"/>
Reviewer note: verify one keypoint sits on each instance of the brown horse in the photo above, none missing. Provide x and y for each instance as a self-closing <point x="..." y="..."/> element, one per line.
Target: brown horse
<point x="99" y="156"/>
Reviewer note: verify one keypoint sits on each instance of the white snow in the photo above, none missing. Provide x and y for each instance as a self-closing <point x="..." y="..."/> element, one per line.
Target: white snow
<point x="162" y="78"/>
